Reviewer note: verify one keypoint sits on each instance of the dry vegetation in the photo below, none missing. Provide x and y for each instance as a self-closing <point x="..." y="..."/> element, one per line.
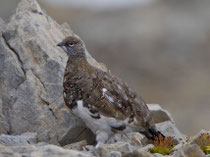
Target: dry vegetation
<point x="163" y="145"/>
<point x="204" y="142"/>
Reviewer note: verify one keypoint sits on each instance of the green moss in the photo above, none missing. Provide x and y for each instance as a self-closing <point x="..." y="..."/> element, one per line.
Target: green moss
<point x="160" y="150"/>
<point x="204" y="142"/>
<point x="206" y="149"/>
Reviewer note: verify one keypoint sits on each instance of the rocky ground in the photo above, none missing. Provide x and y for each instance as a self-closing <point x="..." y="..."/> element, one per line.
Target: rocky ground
<point x="34" y="120"/>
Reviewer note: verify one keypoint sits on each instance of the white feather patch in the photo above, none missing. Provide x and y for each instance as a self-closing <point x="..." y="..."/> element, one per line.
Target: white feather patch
<point x="104" y="90"/>
<point x="64" y="94"/>
<point x="101" y="124"/>
<point x="107" y="96"/>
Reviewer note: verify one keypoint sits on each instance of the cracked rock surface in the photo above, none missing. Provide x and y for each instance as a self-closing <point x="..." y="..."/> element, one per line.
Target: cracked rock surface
<point x="31" y="73"/>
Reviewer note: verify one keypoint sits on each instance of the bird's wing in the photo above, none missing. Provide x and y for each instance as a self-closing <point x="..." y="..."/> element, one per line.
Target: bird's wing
<point x="117" y="100"/>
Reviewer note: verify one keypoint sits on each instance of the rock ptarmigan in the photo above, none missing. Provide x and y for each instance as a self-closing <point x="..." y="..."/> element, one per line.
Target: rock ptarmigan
<point x="103" y="101"/>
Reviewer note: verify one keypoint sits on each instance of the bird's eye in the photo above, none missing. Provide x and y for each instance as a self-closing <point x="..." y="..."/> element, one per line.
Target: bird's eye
<point x="71" y="44"/>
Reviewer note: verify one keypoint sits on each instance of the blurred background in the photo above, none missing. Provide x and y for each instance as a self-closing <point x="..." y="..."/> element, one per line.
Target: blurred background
<point x="160" y="47"/>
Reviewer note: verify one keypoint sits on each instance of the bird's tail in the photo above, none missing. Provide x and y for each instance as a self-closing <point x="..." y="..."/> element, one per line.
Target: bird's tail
<point x="152" y="133"/>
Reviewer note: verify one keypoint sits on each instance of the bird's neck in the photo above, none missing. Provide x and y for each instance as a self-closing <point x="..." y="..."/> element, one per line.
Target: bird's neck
<point x="77" y="64"/>
<point x="76" y="59"/>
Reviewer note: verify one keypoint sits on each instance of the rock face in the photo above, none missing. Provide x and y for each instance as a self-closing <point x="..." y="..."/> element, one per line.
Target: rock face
<point x="31" y="73"/>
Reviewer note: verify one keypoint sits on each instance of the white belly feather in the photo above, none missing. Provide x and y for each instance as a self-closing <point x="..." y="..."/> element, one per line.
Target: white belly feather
<point x="101" y="124"/>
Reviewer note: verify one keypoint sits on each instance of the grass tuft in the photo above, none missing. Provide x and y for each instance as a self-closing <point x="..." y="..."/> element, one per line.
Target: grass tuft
<point x="204" y="142"/>
<point x="163" y="145"/>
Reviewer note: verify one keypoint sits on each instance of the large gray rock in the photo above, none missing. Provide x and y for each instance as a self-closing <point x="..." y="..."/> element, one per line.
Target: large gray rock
<point x="18" y="140"/>
<point x="31" y="73"/>
<point x="159" y="114"/>
<point x="39" y="150"/>
<point x="190" y="151"/>
<point x="168" y="128"/>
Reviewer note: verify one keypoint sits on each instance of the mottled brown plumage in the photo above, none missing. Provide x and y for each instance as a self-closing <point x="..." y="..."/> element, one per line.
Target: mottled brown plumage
<point x="104" y="102"/>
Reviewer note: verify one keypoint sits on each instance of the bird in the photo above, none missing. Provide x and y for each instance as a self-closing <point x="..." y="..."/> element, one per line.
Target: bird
<point x="104" y="102"/>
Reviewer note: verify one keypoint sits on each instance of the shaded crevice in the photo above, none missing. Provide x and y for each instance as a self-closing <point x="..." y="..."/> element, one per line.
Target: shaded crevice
<point x="51" y="110"/>
<point x="44" y="101"/>
<point x="78" y="136"/>
<point x="36" y="12"/>
<point x="6" y="108"/>
<point x="48" y="104"/>
<point x="16" y="54"/>
<point x="8" y="121"/>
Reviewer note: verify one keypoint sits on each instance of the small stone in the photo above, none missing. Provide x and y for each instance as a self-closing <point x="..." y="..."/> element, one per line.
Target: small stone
<point x="134" y="138"/>
<point x="113" y="154"/>
<point x="122" y="147"/>
<point x="190" y="151"/>
<point x="145" y="148"/>
<point x="91" y="150"/>
<point x="157" y="155"/>
<point x="76" y="145"/>
<point x="178" y="146"/>
<point x="137" y="153"/>
<point x="159" y="114"/>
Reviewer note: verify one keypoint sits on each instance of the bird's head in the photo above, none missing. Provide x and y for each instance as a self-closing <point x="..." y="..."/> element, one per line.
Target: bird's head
<point x="73" y="46"/>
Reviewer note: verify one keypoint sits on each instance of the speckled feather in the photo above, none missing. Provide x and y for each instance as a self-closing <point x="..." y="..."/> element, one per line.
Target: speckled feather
<point x="87" y="83"/>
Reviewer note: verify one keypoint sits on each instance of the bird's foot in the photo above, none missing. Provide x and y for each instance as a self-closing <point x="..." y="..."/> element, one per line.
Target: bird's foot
<point x="101" y="138"/>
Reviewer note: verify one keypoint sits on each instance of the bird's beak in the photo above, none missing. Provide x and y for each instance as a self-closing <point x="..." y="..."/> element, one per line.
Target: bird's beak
<point x="60" y="44"/>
